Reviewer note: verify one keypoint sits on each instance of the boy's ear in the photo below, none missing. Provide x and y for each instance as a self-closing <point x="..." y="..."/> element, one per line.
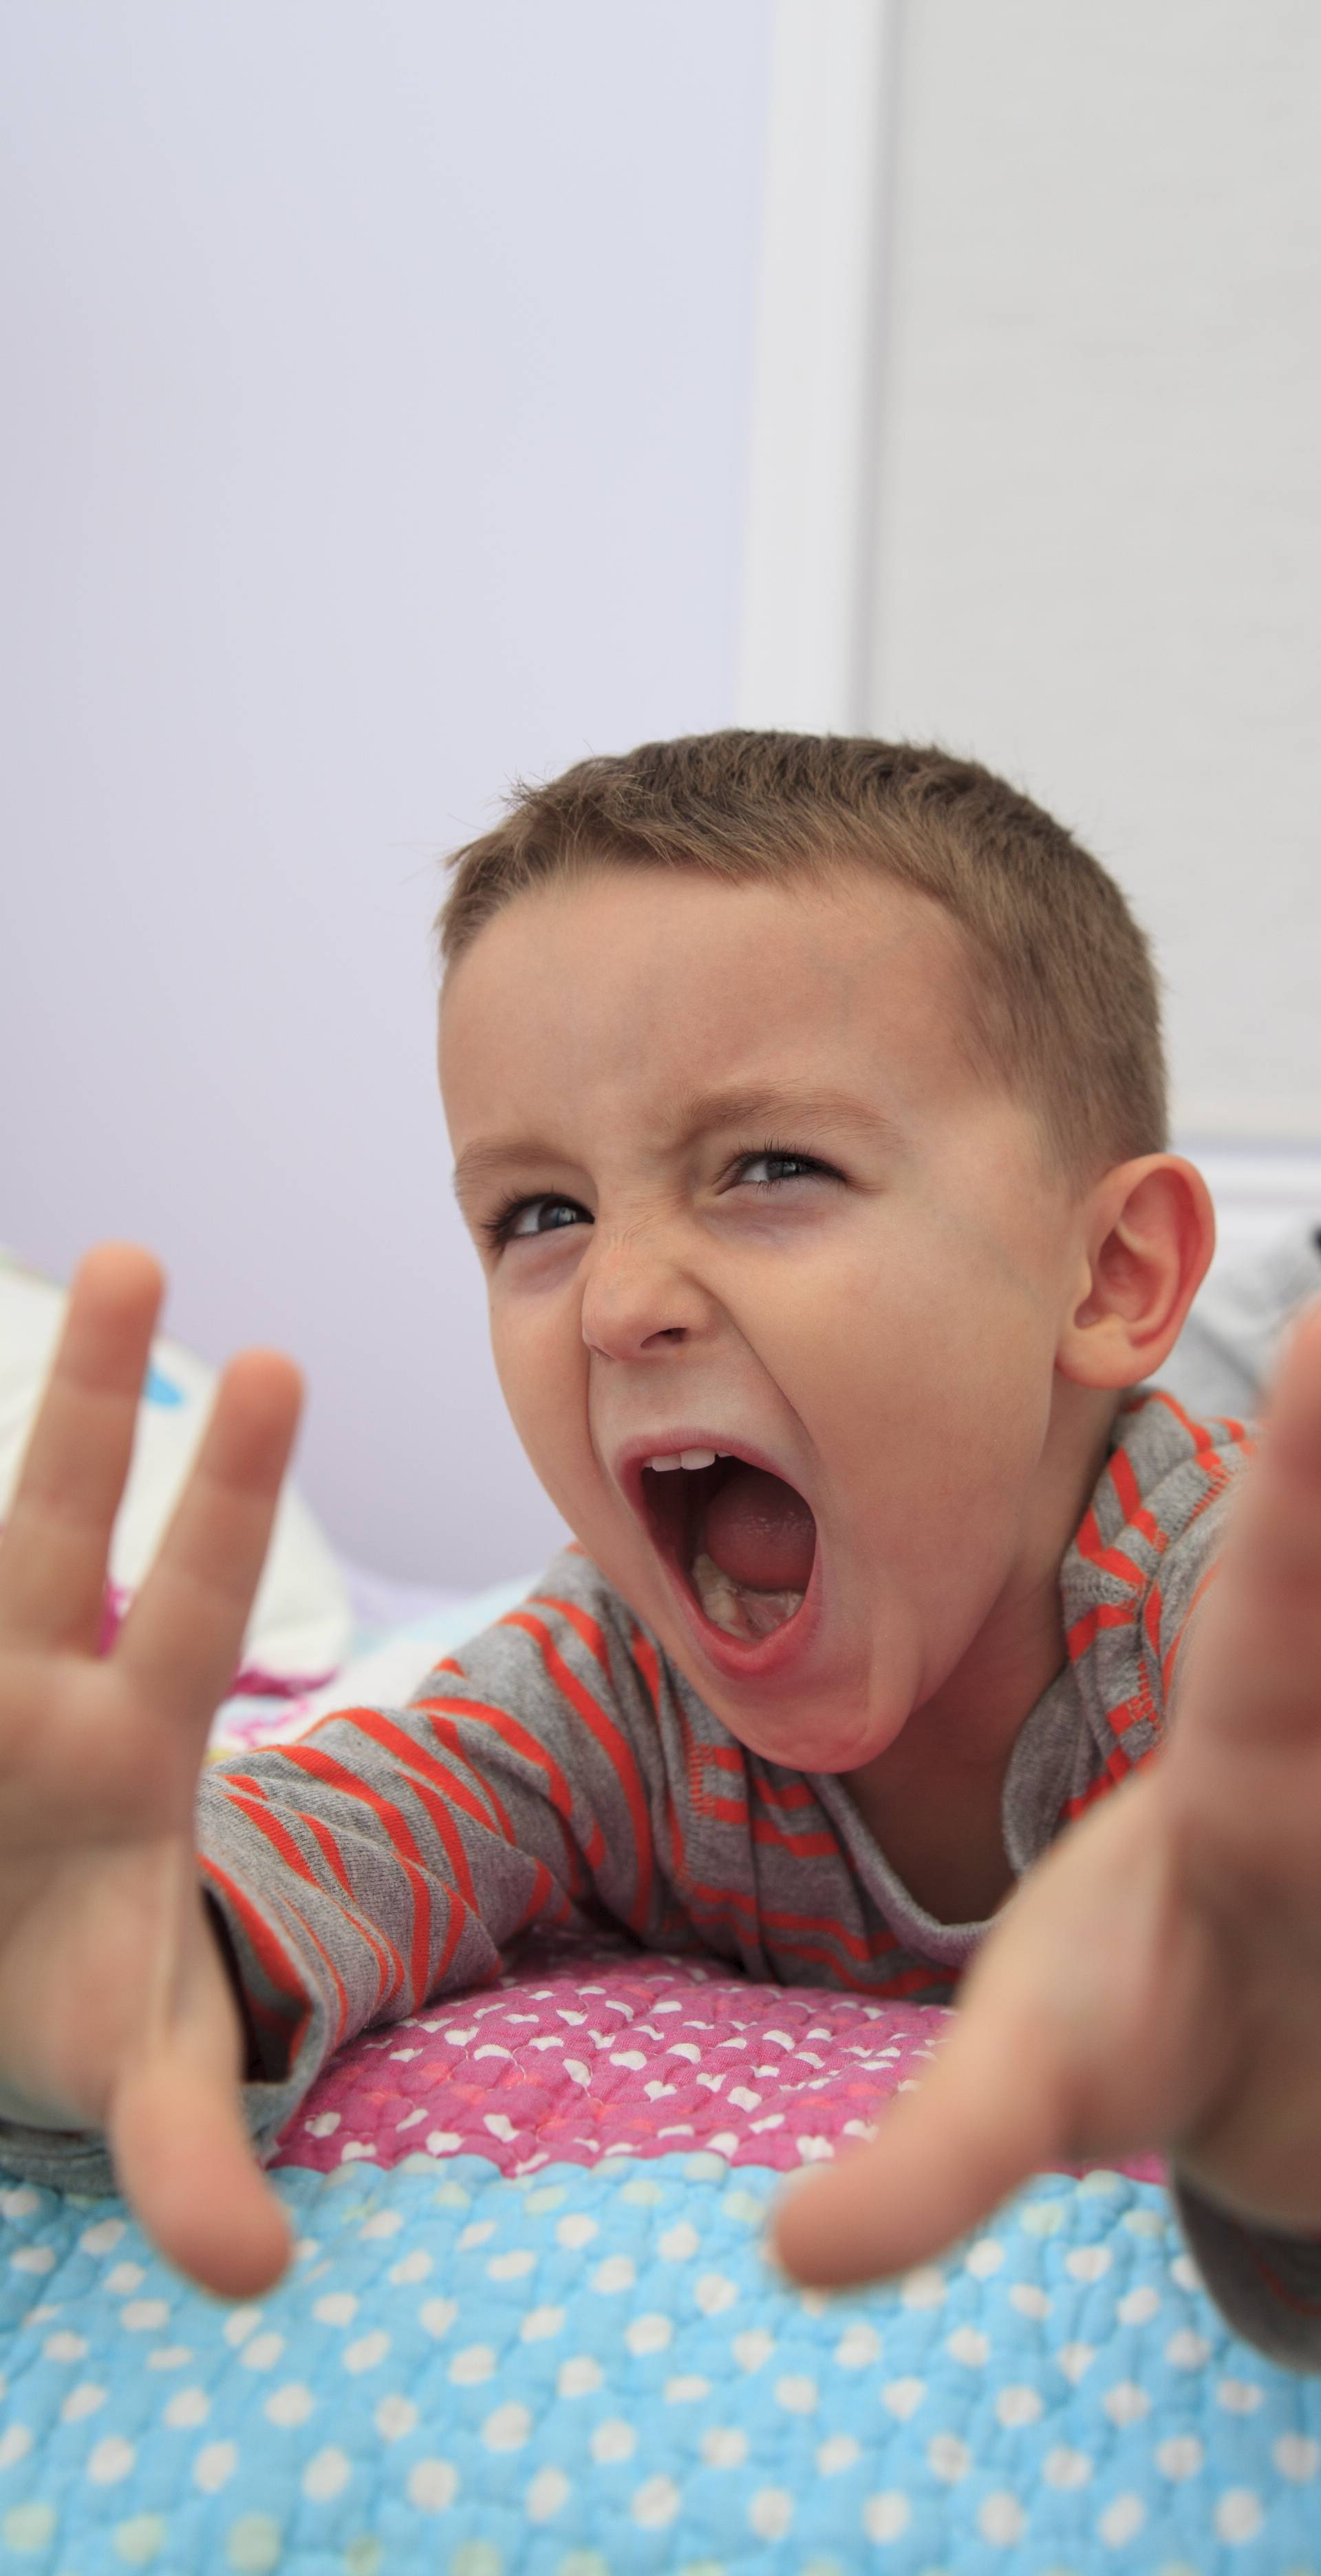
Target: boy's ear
<point x="1148" y="1237"/>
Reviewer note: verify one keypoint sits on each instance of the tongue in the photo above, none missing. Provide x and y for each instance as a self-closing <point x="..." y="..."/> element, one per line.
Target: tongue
<point x="760" y="1532"/>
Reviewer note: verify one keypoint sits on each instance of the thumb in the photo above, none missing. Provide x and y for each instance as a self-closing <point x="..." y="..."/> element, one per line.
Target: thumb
<point x="1093" y="2023"/>
<point x="987" y="2116"/>
<point x="185" y="2165"/>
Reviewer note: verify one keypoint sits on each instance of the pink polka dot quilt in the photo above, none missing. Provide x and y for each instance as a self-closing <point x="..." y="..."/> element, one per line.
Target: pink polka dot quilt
<point x="629" y="2055"/>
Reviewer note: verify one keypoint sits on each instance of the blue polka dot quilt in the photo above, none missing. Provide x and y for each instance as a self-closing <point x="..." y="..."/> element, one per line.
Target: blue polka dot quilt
<point x="530" y="2331"/>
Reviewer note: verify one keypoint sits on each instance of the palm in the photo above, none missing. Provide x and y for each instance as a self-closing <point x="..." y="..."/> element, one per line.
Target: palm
<point x="115" y="2007"/>
<point x="94" y="1805"/>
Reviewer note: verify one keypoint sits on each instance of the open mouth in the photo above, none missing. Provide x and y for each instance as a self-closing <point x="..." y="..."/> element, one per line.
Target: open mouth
<point x="742" y="1539"/>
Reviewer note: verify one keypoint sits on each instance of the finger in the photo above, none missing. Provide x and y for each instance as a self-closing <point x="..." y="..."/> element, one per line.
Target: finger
<point x="1282" y="1497"/>
<point x="988" y="2115"/>
<point x="1255" y="1649"/>
<point x="183" y="1636"/>
<point x="185" y="2165"/>
<point x="1300" y="1371"/>
<point x="53" y="1556"/>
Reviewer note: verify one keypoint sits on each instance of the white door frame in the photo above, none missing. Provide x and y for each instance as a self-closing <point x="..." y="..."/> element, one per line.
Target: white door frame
<point x="809" y="574"/>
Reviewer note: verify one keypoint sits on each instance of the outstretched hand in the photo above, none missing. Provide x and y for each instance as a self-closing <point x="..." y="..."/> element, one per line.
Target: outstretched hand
<point x="116" y="2010"/>
<point x="1155" y="1982"/>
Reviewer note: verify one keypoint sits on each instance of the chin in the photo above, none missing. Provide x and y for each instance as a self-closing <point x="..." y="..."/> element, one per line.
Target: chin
<point x="835" y="1749"/>
<point x="819" y="1730"/>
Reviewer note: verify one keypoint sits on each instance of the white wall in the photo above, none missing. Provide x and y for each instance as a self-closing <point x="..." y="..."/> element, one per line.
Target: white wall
<point x="377" y="388"/>
<point x="1080" y="359"/>
<point x="1098" y="554"/>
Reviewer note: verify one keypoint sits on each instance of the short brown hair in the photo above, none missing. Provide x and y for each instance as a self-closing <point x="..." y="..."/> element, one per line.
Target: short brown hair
<point x="1065" y="1007"/>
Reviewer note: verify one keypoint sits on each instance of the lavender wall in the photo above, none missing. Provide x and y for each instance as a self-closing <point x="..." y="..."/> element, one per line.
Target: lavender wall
<point x="378" y="391"/>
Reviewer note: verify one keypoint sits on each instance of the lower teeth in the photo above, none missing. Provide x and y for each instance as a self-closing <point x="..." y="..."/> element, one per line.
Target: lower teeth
<point x="739" y="1611"/>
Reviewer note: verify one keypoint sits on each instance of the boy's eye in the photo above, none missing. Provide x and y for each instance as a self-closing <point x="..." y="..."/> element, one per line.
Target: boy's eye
<point x="776" y="1163"/>
<point x="525" y="1220"/>
<point x="528" y="1217"/>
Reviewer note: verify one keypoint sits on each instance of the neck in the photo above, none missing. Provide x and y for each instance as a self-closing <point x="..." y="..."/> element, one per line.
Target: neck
<point x="933" y="1798"/>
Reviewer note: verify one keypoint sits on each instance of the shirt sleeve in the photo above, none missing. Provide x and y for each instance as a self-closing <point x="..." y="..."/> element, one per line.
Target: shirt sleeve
<point x="390" y="1856"/>
<point x="1266" y="2286"/>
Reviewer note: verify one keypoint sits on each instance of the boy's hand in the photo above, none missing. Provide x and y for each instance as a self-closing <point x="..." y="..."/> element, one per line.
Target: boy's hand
<point x="1156" y="1981"/>
<point x="116" y="2010"/>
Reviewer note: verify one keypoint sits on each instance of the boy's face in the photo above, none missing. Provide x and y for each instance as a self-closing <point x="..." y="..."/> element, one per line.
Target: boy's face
<point x="763" y="1206"/>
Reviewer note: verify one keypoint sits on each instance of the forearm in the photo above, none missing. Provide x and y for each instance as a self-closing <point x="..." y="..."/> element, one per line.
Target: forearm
<point x="392" y="1855"/>
<point x="327" y="1925"/>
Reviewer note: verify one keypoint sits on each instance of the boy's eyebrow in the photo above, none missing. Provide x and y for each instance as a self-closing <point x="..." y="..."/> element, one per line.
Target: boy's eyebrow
<point x="481" y="1163"/>
<point x="761" y="1103"/>
<point x="697" y="1113"/>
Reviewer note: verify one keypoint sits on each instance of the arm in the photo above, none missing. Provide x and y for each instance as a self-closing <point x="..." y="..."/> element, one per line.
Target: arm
<point x="391" y="1856"/>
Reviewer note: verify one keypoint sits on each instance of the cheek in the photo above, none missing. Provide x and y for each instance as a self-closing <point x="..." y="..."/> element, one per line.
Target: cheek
<point x="541" y="1362"/>
<point x="929" y="1384"/>
<point x="535" y="1373"/>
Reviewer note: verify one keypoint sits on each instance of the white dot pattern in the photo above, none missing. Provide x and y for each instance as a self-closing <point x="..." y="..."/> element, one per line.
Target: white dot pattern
<point x="588" y="2367"/>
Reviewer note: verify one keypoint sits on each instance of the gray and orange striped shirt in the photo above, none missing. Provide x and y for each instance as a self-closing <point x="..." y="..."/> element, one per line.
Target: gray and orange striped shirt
<point x="560" y="1771"/>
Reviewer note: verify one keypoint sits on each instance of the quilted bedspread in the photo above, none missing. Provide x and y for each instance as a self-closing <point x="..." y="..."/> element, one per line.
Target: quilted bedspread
<point x="530" y="2327"/>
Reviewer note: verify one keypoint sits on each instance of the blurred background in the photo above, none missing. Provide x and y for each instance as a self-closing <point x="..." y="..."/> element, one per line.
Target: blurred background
<point x="401" y="401"/>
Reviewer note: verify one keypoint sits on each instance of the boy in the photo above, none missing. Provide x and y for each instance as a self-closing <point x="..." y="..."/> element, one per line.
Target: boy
<point x="808" y="1112"/>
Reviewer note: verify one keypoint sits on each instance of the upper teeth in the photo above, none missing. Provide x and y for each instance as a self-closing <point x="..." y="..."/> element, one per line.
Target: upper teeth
<point x="685" y="1458"/>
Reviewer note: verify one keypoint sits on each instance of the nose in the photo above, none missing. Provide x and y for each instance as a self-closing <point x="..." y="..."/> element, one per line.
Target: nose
<point x="637" y="1301"/>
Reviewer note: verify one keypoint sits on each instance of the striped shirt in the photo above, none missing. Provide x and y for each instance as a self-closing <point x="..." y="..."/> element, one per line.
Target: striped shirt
<point x="561" y="1772"/>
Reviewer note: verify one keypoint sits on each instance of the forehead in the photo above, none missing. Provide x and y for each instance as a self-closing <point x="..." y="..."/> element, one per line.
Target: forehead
<point x="616" y="982"/>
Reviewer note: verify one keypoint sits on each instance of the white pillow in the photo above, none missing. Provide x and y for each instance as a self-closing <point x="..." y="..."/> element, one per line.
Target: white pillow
<point x="302" y="1624"/>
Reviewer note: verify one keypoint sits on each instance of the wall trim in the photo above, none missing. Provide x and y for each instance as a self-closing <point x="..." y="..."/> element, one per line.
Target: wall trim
<point x="809" y="574"/>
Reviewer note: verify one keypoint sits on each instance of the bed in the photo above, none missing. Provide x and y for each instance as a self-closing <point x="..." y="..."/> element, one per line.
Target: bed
<point x="530" y="2328"/>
